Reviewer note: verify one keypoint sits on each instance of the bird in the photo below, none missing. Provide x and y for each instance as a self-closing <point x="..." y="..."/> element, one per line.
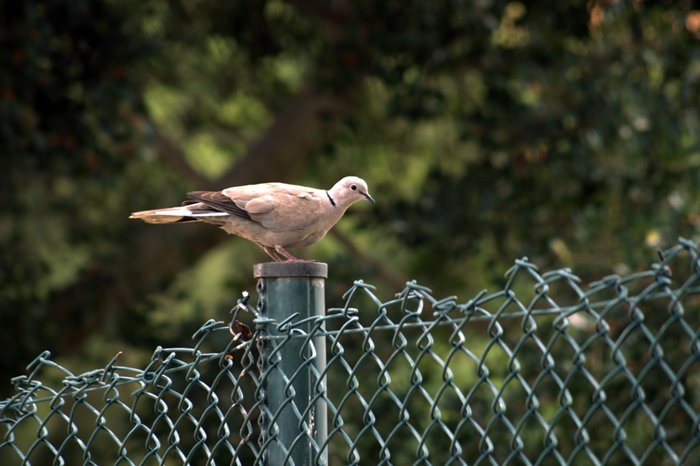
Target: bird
<point x="275" y="216"/>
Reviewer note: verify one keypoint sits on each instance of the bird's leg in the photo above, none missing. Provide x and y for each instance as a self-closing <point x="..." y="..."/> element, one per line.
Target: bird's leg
<point x="271" y="252"/>
<point x="286" y="254"/>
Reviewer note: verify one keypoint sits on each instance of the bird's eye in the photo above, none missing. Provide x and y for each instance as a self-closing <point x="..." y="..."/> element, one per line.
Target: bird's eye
<point x="353" y="187"/>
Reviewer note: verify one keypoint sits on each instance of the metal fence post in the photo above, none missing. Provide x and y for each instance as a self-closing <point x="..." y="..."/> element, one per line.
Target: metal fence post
<point x="286" y="288"/>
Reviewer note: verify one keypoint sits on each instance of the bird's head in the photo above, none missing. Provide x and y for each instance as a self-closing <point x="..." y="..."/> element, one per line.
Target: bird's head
<point x="349" y="190"/>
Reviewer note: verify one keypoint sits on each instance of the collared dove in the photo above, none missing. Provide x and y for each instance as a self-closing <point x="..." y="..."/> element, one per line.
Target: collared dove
<point x="273" y="215"/>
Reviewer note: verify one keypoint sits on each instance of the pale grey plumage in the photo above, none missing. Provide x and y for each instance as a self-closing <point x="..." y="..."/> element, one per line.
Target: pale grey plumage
<point x="273" y="215"/>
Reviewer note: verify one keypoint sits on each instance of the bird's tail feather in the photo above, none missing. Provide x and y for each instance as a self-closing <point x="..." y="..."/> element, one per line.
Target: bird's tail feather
<point x="188" y="213"/>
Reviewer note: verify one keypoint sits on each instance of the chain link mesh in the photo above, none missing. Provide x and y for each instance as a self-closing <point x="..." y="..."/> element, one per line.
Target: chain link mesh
<point x="543" y="372"/>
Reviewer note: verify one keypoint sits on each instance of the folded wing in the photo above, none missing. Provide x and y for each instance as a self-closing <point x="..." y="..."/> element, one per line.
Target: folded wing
<point x="277" y="210"/>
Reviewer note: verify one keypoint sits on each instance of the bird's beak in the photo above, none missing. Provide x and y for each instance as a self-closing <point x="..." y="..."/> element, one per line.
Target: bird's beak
<point x="369" y="198"/>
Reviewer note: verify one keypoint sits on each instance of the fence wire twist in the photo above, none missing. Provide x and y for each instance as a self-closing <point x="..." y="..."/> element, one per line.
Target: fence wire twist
<point x="542" y="372"/>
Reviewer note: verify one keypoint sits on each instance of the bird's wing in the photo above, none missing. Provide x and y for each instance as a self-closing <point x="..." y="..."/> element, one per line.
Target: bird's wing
<point x="276" y="206"/>
<point x="219" y="201"/>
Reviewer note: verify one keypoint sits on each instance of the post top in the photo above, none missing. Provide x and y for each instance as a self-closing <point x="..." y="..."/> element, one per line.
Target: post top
<point x="290" y="269"/>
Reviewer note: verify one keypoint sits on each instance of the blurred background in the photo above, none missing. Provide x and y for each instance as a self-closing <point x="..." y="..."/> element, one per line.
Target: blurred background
<point x="564" y="131"/>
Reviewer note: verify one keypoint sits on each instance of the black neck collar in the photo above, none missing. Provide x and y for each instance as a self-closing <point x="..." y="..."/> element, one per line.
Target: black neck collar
<point x="331" y="199"/>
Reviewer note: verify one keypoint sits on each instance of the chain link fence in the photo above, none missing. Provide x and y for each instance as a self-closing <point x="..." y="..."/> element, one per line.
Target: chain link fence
<point x="546" y="371"/>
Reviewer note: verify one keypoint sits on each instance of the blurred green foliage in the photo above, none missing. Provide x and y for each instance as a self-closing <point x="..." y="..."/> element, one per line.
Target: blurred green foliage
<point x="564" y="130"/>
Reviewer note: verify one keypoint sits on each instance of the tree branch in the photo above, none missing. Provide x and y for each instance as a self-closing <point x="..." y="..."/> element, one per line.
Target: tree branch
<point x="304" y="124"/>
<point x="395" y="279"/>
<point x="175" y="159"/>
